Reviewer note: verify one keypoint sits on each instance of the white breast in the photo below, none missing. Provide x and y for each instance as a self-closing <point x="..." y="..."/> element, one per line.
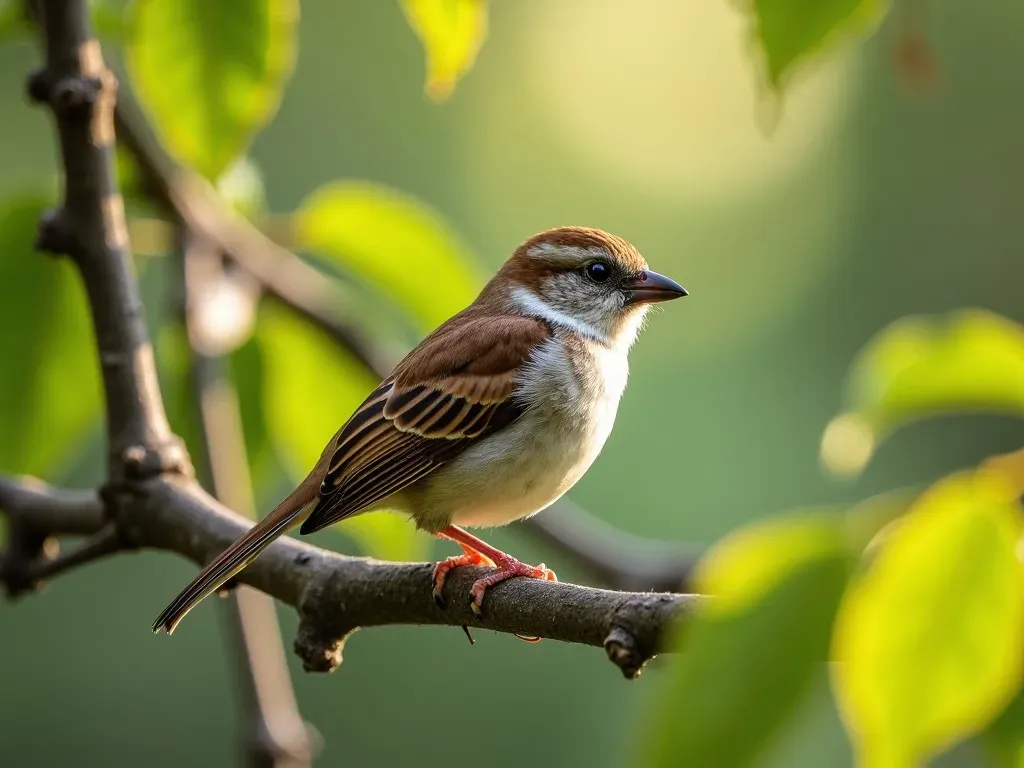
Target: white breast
<point x="574" y="387"/>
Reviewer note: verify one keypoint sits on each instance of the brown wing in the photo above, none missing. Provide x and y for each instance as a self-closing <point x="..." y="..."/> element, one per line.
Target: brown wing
<point x="454" y="389"/>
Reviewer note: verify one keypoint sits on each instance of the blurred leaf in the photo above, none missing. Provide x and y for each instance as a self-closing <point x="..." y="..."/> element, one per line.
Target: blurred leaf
<point x="311" y="389"/>
<point x="247" y="369"/>
<point x="1010" y="466"/>
<point x="746" y="659"/>
<point x="12" y="21"/>
<point x="108" y="20"/>
<point x="46" y="338"/>
<point x="452" y="33"/>
<point x="1004" y="739"/>
<point x="395" y="242"/>
<point x="971" y="361"/>
<point x="242" y="187"/>
<point x="790" y="31"/>
<point x="929" y="639"/>
<point x="210" y="74"/>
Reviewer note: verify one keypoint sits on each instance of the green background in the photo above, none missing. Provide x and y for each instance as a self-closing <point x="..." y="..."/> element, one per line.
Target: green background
<point x="867" y="202"/>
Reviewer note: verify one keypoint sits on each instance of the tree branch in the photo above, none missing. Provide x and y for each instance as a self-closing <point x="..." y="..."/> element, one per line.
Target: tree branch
<point x="90" y="228"/>
<point x="151" y="497"/>
<point x="336" y="594"/>
<point x="38" y="512"/>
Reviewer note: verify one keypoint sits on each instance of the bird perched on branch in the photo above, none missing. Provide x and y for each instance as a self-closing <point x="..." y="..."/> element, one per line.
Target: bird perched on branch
<point x="493" y="417"/>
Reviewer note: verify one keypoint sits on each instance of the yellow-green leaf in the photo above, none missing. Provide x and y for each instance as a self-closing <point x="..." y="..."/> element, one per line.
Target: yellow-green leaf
<point x="970" y="361"/>
<point x="48" y="350"/>
<point x="210" y="74"/>
<point x="452" y="32"/>
<point x="746" y="659"/>
<point x="929" y="639"/>
<point x="393" y="241"/>
<point x="791" y="31"/>
<point x="310" y="389"/>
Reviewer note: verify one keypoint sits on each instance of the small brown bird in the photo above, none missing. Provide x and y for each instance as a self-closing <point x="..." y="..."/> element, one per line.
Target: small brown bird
<point x="493" y="417"/>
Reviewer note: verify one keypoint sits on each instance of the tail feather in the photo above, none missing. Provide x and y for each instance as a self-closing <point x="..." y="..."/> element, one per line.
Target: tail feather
<point x="233" y="559"/>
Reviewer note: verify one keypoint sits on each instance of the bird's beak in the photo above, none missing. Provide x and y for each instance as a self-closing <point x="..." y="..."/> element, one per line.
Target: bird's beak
<point x="651" y="287"/>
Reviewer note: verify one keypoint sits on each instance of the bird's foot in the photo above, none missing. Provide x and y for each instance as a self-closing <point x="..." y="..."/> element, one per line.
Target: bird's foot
<point x="508" y="567"/>
<point x="441" y="570"/>
<point x="479" y="552"/>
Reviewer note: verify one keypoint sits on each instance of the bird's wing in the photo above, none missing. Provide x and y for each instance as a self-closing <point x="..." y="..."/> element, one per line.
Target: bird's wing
<point x="450" y="392"/>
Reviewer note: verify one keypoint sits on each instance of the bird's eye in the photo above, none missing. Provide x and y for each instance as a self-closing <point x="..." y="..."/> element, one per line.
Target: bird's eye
<point x="598" y="271"/>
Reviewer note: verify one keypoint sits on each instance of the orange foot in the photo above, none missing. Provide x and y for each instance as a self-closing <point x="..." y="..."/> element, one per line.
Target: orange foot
<point x="478" y="552"/>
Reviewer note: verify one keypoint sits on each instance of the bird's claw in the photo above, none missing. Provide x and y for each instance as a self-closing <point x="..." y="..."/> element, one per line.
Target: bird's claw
<point x="506" y="570"/>
<point x="442" y="569"/>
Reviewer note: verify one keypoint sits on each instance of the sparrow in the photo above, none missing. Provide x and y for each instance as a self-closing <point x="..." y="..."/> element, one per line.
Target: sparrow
<point x="490" y="419"/>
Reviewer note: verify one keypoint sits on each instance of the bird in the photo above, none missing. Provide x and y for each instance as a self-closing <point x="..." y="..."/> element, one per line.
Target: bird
<point x="493" y="417"/>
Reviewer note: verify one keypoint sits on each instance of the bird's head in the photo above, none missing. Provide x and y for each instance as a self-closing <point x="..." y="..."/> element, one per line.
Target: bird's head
<point x="584" y="278"/>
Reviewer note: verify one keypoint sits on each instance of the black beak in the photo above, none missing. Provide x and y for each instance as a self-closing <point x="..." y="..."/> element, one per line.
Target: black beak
<point x="649" y="287"/>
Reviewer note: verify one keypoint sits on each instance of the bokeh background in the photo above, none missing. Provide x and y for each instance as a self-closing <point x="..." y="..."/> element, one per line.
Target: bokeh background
<point x="798" y="234"/>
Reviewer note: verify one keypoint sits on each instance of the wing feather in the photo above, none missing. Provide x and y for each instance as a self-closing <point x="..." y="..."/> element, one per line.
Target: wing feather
<point x="454" y="389"/>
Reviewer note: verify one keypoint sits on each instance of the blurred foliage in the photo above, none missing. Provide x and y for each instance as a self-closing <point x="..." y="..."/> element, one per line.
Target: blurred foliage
<point x="12" y="21"/>
<point x="790" y="31"/>
<point x="47" y="348"/>
<point x="1004" y="739"/>
<point x="918" y="598"/>
<point x="948" y="570"/>
<point x="241" y="185"/>
<point x="927" y="642"/>
<point x="971" y="361"/>
<point x="452" y="32"/>
<point x="395" y="243"/>
<point x="742" y="669"/>
<point x="210" y="74"/>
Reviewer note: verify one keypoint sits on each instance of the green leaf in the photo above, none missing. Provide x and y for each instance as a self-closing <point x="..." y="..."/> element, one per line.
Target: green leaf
<point x="210" y="74"/>
<point x="107" y="19"/>
<point x="393" y="241"/>
<point x="791" y="31"/>
<point x="747" y="658"/>
<point x="1004" y="739"/>
<point x="310" y="389"/>
<point x="48" y="350"/>
<point x="12" y="21"/>
<point x="969" y="361"/>
<point x="247" y="365"/>
<point x="929" y="639"/>
<point x="452" y="33"/>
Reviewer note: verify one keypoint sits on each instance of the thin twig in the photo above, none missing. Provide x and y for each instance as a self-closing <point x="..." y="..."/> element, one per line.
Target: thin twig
<point x="275" y="735"/>
<point x="101" y="544"/>
<point x="37" y="513"/>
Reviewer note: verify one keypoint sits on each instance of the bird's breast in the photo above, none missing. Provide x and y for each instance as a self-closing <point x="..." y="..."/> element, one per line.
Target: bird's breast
<point x="572" y="389"/>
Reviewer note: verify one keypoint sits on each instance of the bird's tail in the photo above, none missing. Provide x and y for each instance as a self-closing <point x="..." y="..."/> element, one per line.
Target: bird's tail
<point x="233" y="559"/>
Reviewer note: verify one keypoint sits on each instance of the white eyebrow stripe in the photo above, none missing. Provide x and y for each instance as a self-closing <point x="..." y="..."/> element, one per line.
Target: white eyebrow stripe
<point x="566" y="254"/>
<point x="534" y="305"/>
